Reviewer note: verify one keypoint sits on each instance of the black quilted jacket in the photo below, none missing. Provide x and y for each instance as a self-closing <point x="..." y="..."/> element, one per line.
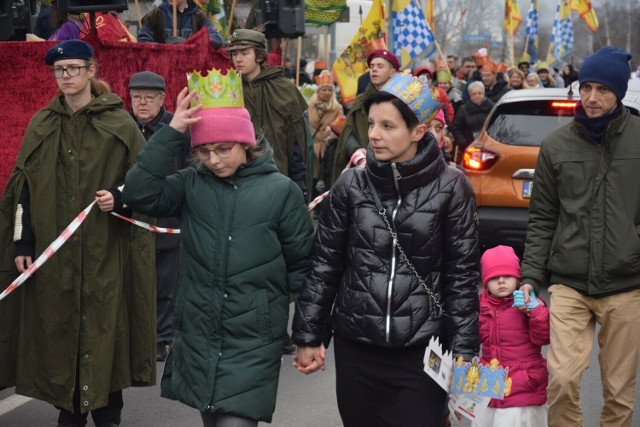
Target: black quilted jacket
<point x="360" y="285"/>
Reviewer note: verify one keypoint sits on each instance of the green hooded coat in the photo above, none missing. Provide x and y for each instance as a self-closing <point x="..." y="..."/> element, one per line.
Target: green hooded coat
<point x="277" y="112"/>
<point x="91" y="307"/>
<point x="354" y="135"/>
<point x="244" y="247"/>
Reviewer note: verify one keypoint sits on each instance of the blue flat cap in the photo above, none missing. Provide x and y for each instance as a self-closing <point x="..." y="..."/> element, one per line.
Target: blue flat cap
<point x="68" y="49"/>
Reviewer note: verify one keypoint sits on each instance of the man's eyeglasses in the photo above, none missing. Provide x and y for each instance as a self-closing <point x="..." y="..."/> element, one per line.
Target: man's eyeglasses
<point x="222" y="152"/>
<point x="147" y="98"/>
<point x="72" y="70"/>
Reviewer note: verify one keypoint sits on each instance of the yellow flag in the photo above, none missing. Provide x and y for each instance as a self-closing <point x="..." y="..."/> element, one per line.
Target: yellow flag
<point x="353" y="61"/>
<point x="429" y="10"/>
<point x="587" y="13"/>
<point x="512" y="18"/>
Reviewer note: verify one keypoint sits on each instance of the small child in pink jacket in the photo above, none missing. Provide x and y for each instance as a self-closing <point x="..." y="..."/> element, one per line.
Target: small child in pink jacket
<point x="514" y="334"/>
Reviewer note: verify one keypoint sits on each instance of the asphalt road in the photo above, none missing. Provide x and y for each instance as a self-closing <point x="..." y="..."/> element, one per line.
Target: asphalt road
<point x="303" y="401"/>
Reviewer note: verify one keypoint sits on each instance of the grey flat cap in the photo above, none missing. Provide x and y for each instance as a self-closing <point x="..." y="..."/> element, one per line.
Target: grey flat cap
<point x="146" y="80"/>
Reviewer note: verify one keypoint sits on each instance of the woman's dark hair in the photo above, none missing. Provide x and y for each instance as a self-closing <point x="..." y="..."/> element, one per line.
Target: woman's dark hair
<point x="407" y="114"/>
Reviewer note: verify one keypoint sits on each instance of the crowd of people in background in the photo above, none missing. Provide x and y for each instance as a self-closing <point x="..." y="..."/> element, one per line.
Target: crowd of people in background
<point x="236" y="180"/>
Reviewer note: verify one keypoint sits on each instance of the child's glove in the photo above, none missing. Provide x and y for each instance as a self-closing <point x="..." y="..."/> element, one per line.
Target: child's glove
<point x="518" y="300"/>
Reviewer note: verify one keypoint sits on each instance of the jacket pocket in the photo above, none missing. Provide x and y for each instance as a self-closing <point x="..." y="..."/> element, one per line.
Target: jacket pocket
<point x="263" y="317"/>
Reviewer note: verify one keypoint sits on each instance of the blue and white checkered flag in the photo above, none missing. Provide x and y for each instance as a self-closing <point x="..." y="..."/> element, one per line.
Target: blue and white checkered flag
<point x="562" y="34"/>
<point x="531" y="32"/>
<point x="412" y="36"/>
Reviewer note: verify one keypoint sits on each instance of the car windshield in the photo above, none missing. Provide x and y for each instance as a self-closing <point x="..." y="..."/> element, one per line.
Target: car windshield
<point x="528" y="123"/>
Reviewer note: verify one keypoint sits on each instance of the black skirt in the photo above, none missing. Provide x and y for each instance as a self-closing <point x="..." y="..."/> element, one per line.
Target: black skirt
<point x="385" y="387"/>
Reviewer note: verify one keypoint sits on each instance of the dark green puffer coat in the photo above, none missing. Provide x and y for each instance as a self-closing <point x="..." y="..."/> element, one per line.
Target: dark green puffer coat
<point x="244" y="248"/>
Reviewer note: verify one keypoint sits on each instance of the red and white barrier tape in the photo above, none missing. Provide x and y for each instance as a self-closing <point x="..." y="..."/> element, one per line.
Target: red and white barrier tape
<point x="146" y="226"/>
<point x="358" y="159"/>
<point x="65" y="236"/>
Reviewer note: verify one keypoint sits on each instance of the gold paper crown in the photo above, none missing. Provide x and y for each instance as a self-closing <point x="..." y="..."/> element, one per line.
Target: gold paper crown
<point x="216" y="90"/>
<point x="415" y="92"/>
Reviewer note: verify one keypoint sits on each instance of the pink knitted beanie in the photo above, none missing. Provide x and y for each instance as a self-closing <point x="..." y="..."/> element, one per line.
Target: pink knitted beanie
<point x="224" y="124"/>
<point x="499" y="261"/>
<point x="440" y="117"/>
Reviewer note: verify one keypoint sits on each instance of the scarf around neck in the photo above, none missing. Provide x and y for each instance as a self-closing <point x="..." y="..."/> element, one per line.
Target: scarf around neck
<point x="597" y="126"/>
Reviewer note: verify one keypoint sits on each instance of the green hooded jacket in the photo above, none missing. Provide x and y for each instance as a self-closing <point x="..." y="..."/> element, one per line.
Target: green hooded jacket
<point x="277" y="112"/>
<point x="354" y="135"/>
<point x="91" y="307"/>
<point x="243" y="249"/>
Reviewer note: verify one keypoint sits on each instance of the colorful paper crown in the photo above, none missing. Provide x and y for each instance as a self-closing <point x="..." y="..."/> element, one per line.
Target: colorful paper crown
<point x="490" y="380"/>
<point x="216" y="90"/>
<point x="415" y="92"/>
<point x="324" y="79"/>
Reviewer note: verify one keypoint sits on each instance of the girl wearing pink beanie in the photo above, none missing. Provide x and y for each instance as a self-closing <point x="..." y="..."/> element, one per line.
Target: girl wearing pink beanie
<point x="513" y="333"/>
<point x="245" y="239"/>
<point x="438" y="127"/>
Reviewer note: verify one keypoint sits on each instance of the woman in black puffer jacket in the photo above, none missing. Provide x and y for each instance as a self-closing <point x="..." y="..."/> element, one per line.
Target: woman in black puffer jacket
<point x="362" y="285"/>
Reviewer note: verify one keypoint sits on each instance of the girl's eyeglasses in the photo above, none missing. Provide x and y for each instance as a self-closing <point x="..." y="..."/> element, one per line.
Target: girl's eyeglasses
<point x="222" y="152"/>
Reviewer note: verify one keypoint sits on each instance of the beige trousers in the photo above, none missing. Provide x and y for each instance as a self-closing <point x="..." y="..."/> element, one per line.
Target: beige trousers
<point x="573" y="321"/>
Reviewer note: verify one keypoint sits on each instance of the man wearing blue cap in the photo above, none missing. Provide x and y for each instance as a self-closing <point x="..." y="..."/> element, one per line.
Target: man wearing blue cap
<point x="583" y="240"/>
<point x="82" y="329"/>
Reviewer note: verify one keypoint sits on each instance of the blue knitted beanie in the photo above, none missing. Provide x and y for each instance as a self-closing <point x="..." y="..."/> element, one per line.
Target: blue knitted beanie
<point x="608" y="66"/>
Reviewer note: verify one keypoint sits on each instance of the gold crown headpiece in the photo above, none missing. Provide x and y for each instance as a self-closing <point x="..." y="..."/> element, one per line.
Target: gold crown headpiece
<point x="216" y="90"/>
<point x="415" y="92"/>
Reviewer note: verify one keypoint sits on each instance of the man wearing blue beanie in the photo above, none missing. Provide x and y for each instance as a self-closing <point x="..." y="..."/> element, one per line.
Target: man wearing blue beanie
<point x="582" y="241"/>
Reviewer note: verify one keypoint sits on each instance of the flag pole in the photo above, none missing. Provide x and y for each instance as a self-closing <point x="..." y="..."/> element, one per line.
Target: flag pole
<point x="298" y="55"/>
<point x="325" y="37"/>
<point x="511" y="38"/>
<point x="139" y="14"/>
<point x="511" y="42"/>
<point x="231" y="12"/>
<point x="441" y="54"/>
<point x="175" y="19"/>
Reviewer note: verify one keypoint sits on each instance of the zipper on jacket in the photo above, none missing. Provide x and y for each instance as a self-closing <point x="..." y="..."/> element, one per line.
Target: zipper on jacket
<point x="392" y="275"/>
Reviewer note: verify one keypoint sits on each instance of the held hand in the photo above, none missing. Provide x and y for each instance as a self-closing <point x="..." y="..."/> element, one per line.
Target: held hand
<point x="104" y="199"/>
<point x="309" y="359"/>
<point x="533" y="301"/>
<point x="359" y="157"/>
<point x="526" y="290"/>
<point x="182" y="118"/>
<point x="23" y="262"/>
